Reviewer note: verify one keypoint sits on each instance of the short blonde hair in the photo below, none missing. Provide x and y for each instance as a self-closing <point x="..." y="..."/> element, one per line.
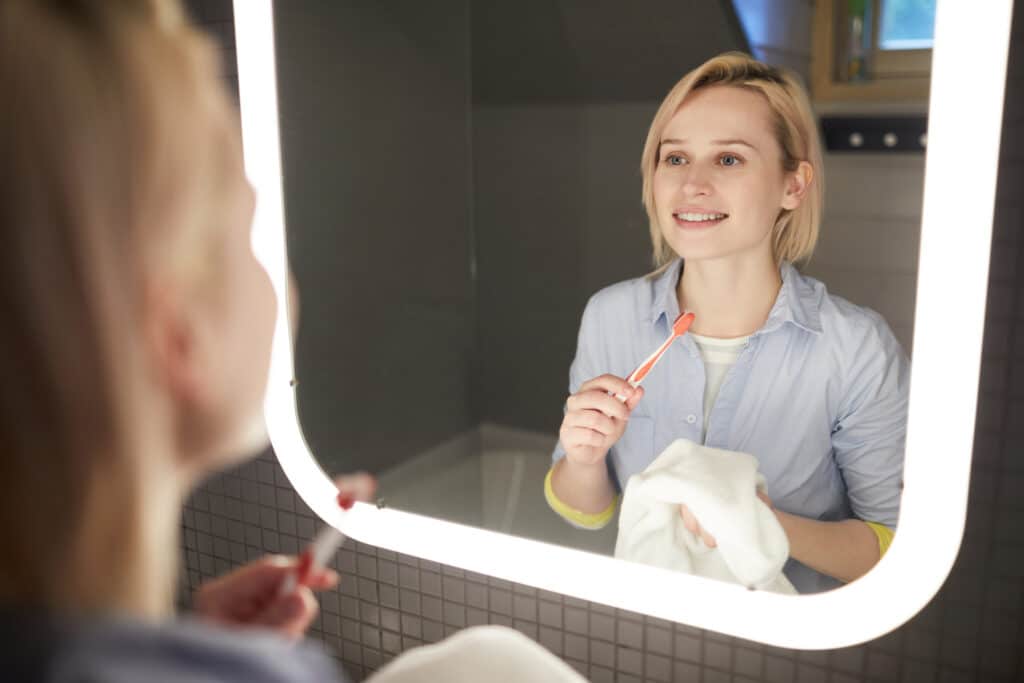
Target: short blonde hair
<point x="795" y="232"/>
<point x="106" y="172"/>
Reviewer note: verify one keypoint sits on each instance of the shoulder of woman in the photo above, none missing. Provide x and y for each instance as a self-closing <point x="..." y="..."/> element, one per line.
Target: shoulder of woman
<point x="188" y="650"/>
<point x="629" y="296"/>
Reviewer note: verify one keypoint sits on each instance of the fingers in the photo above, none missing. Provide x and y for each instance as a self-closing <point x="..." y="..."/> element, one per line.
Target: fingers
<point x="236" y="594"/>
<point x="357" y="486"/>
<point x="599" y="400"/>
<point x="289" y="615"/>
<point x="694" y="527"/>
<point x="638" y="393"/>
<point x="581" y="438"/>
<point x="592" y="420"/>
<point x="323" y="580"/>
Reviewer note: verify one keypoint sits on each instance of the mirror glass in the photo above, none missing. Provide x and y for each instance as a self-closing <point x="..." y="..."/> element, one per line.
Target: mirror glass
<point x="460" y="178"/>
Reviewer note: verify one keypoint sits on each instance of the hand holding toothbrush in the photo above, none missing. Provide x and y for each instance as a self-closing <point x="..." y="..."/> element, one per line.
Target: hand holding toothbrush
<point x="252" y="595"/>
<point x="597" y="414"/>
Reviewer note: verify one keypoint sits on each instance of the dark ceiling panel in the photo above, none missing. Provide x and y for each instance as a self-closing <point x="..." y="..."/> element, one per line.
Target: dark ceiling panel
<point x="527" y="51"/>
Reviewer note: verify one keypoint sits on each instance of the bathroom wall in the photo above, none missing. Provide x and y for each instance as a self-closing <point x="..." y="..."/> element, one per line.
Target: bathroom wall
<point x="387" y="603"/>
<point x="379" y="202"/>
<point x="559" y="216"/>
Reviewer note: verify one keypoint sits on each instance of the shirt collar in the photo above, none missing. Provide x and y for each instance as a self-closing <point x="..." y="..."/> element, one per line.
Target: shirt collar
<point x="797" y="302"/>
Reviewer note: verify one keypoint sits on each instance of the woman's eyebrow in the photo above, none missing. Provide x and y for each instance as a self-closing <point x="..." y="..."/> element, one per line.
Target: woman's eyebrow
<point x="730" y="141"/>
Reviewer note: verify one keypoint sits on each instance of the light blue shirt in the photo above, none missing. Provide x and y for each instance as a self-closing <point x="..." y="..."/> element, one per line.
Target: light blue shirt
<point x="818" y="395"/>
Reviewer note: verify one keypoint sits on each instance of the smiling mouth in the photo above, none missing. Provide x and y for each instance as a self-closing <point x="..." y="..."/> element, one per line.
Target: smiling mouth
<point x="692" y="219"/>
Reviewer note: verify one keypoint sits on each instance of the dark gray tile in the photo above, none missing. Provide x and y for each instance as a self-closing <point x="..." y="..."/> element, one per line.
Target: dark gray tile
<point x="431" y="608"/>
<point x="551" y="638"/>
<point x="687" y="672"/>
<point x="430" y="583"/>
<point x="809" y="673"/>
<point x="717" y="655"/>
<point x="748" y="662"/>
<point x="630" y="661"/>
<point x="883" y="666"/>
<point x="527" y="628"/>
<point x="602" y="626"/>
<point x="688" y="648"/>
<point x="476" y="595"/>
<point x="602" y="654"/>
<point x="454" y="589"/>
<point x="779" y="669"/>
<point x="433" y="631"/>
<point x="454" y="614"/>
<point x="657" y="668"/>
<point x="500" y="601"/>
<point x="577" y="647"/>
<point x="524" y="607"/>
<point x="630" y="634"/>
<point x="550" y="614"/>
<point x="412" y="626"/>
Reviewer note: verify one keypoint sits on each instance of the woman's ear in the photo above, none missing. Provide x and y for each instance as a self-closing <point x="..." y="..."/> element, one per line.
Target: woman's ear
<point x="172" y="346"/>
<point x="797" y="184"/>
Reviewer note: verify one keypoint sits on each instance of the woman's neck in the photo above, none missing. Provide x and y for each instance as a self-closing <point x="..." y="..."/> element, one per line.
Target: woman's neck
<point x="729" y="297"/>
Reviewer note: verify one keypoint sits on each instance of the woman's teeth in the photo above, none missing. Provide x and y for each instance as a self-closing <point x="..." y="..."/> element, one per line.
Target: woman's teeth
<point x="700" y="217"/>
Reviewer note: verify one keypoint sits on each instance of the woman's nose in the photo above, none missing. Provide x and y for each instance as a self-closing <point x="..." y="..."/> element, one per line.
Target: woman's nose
<point x="696" y="183"/>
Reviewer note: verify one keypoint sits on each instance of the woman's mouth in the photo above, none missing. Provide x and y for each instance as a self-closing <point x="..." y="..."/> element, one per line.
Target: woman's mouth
<point x="696" y="219"/>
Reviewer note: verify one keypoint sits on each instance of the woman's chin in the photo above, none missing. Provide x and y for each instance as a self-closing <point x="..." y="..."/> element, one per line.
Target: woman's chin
<point x="250" y="441"/>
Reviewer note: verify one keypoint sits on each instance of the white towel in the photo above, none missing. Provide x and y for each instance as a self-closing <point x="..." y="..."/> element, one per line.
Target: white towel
<point x="495" y="654"/>
<point x="720" y="488"/>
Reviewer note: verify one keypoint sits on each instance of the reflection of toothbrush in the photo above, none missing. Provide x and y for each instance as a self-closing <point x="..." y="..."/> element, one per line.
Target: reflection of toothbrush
<point x="679" y="328"/>
<point x="318" y="553"/>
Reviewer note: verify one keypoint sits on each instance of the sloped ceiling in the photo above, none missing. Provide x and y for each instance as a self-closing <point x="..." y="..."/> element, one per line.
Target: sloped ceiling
<point x="533" y="51"/>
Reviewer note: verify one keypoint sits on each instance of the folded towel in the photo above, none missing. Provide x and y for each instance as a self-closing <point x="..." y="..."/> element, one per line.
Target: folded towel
<point x="720" y="488"/>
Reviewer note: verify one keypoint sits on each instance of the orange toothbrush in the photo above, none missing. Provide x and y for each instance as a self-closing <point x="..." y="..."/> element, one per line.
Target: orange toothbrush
<point x="679" y="328"/>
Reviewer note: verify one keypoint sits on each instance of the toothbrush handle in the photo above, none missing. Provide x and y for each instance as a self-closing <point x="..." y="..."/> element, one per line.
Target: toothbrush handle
<point x="637" y="376"/>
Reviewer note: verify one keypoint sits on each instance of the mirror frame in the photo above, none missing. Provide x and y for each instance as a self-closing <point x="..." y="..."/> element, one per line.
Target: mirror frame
<point x="967" y="88"/>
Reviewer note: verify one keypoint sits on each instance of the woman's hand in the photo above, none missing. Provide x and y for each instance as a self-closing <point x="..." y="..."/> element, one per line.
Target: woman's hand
<point x="594" y="419"/>
<point x="694" y="527"/>
<point x="251" y="595"/>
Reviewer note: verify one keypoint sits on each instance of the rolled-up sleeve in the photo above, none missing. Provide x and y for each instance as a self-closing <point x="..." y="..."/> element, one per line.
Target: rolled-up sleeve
<point x="870" y="430"/>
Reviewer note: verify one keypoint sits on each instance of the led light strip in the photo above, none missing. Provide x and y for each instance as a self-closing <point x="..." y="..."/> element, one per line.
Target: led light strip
<point x="965" y="115"/>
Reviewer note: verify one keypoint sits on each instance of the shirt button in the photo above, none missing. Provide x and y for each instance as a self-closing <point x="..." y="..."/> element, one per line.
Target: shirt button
<point x="691" y="418"/>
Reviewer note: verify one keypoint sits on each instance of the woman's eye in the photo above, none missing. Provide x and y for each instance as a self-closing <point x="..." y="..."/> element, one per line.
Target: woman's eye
<point x="730" y="160"/>
<point x="674" y="160"/>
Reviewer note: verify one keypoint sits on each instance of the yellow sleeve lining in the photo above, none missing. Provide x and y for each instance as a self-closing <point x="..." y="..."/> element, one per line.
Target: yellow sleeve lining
<point x="884" y="535"/>
<point x="586" y="520"/>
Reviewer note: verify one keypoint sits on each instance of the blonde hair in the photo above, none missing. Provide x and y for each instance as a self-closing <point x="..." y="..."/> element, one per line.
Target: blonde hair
<point x="795" y="232"/>
<point x="105" y="161"/>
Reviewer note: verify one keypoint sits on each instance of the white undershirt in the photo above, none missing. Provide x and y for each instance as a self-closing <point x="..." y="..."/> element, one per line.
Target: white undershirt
<point x="719" y="355"/>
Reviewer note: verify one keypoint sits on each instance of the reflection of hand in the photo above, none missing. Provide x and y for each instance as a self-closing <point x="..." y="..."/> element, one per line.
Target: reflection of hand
<point x="694" y="527"/>
<point x="251" y="596"/>
<point x="357" y="486"/>
<point x="594" y="419"/>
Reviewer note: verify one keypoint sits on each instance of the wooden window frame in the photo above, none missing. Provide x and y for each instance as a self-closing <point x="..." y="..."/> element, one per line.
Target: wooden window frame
<point x="900" y="75"/>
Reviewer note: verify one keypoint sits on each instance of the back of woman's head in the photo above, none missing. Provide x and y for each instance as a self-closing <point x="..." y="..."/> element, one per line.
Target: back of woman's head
<point x="106" y="163"/>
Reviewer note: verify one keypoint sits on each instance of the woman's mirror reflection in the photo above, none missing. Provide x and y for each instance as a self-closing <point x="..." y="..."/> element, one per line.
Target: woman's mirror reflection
<point x="812" y="386"/>
<point x="466" y="235"/>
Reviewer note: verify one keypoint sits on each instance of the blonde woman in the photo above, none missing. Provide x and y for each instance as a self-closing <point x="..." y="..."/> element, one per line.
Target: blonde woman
<point x="136" y="340"/>
<point x="812" y="385"/>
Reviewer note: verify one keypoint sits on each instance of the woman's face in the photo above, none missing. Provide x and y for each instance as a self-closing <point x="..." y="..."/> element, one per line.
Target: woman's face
<point x="240" y="319"/>
<point x="719" y="183"/>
